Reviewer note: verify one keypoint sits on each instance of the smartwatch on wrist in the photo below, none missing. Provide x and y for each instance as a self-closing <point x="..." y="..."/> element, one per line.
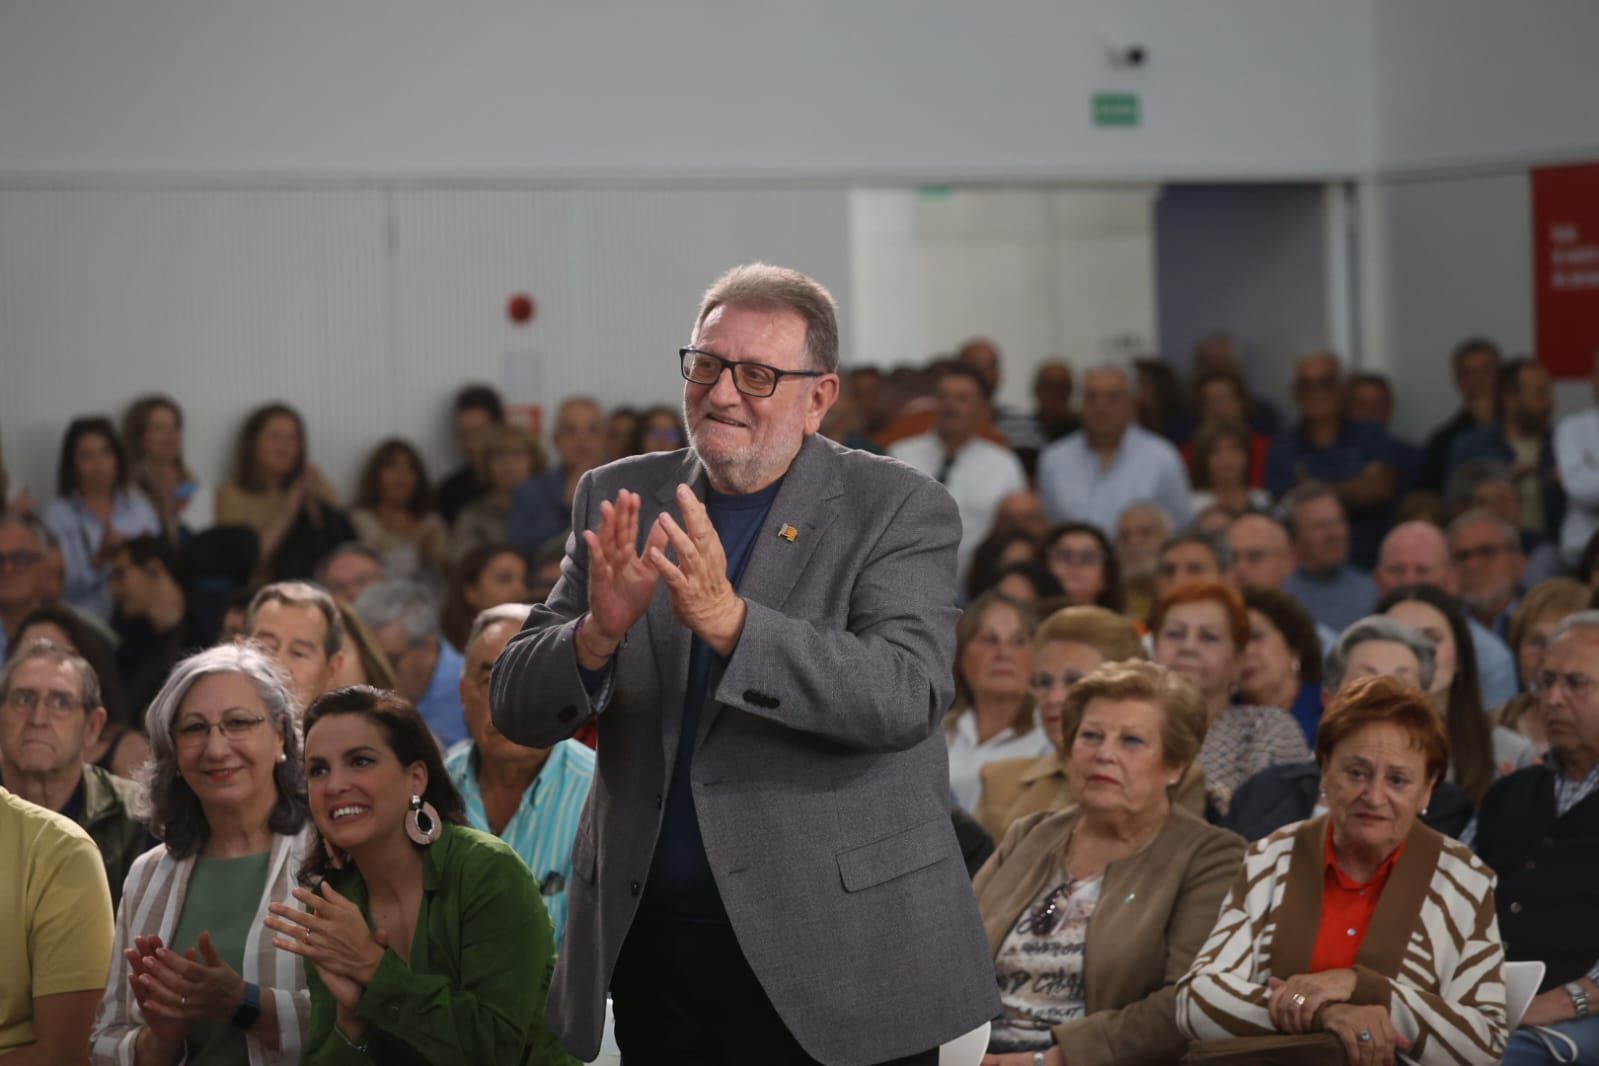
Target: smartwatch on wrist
<point x="1579" y="998"/>
<point x="249" y="1009"/>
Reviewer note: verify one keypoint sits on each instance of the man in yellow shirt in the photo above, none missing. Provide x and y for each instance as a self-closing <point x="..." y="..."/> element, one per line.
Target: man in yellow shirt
<point x="55" y="948"/>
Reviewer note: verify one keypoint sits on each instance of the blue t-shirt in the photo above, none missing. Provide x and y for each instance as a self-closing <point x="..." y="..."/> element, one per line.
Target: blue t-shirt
<point x="1292" y="459"/>
<point x="680" y="885"/>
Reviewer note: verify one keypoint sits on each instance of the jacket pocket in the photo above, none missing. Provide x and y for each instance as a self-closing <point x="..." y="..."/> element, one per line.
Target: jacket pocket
<point x="904" y="852"/>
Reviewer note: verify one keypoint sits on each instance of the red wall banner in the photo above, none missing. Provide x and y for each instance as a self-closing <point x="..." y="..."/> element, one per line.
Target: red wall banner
<point x="1565" y="268"/>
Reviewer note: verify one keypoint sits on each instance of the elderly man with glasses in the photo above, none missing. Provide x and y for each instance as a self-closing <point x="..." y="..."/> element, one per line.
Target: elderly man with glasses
<point x="1539" y="830"/>
<point x="50" y="712"/>
<point x="762" y="626"/>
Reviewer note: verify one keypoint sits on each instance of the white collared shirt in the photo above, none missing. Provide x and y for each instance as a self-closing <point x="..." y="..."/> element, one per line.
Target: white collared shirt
<point x="967" y="756"/>
<point x="981" y="475"/>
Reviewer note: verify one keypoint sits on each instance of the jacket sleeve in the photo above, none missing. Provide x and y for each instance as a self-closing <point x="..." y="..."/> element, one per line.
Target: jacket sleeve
<point x="1224" y="992"/>
<point x="537" y="694"/>
<point x="1145" y="1033"/>
<point x="881" y="681"/>
<point x="486" y="1013"/>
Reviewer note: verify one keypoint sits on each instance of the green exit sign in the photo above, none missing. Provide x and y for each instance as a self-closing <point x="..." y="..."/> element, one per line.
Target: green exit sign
<point x="1115" y="109"/>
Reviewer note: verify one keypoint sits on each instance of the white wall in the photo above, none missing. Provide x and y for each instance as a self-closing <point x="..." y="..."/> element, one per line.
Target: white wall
<point x="1043" y="274"/>
<point x="1469" y="83"/>
<point x="1456" y="257"/>
<point x="890" y="89"/>
<point x="365" y="306"/>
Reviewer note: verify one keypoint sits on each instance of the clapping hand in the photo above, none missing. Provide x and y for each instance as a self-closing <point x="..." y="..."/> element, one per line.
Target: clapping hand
<point x="702" y="597"/>
<point x="192" y="987"/>
<point x="331" y="933"/>
<point x="621" y="583"/>
<point x="169" y="1028"/>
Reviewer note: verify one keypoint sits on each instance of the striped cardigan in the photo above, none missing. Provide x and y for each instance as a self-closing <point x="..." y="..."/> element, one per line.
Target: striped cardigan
<point x="1432" y="953"/>
<point x="152" y="901"/>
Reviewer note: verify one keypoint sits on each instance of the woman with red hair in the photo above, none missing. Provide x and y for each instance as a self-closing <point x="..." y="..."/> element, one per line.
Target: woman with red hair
<point x="1200" y="629"/>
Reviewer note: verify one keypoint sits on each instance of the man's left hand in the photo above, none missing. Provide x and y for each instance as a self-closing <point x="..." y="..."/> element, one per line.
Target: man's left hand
<point x="702" y="597"/>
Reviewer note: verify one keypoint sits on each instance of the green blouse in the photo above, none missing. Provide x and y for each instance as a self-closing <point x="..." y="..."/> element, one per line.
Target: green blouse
<point x="221" y="899"/>
<point x="481" y="959"/>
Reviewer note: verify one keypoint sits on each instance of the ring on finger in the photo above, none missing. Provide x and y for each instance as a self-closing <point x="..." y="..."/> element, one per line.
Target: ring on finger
<point x="1364" y="1036"/>
<point x="1299" y="999"/>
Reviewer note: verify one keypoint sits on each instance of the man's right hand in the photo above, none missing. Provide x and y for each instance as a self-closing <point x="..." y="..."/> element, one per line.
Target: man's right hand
<point x="621" y="582"/>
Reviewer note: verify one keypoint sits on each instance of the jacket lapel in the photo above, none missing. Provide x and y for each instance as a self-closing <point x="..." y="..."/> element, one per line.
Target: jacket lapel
<point x="669" y="638"/>
<point x="1399" y="907"/>
<point x="807" y="502"/>
<point x="1299" y="917"/>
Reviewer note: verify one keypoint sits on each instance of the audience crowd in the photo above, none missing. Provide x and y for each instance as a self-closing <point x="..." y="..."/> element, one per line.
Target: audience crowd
<point x="1275" y="735"/>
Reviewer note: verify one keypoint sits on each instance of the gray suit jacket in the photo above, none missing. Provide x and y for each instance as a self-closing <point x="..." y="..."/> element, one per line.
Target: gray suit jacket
<point x="820" y="775"/>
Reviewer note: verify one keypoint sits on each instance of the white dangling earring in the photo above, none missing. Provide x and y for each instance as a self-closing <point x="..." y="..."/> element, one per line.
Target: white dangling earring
<point x="422" y="823"/>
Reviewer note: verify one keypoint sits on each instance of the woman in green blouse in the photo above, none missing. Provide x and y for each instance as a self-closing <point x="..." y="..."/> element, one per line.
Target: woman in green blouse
<point x="428" y="941"/>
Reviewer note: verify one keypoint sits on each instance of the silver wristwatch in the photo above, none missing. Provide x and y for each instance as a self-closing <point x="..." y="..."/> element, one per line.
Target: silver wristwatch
<point x="1579" y="998"/>
<point x="1038" y="1058"/>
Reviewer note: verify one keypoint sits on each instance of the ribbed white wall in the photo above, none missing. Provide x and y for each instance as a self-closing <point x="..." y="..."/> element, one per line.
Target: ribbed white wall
<point x="363" y="306"/>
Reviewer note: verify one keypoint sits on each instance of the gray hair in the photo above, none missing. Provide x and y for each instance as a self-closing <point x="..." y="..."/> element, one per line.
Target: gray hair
<point x="1374" y="628"/>
<point x="1471" y="475"/>
<point x="34" y="650"/>
<point x="505" y="612"/>
<point x="174" y="811"/>
<point x="1219" y="549"/>
<point x="1588" y="621"/>
<point x="1507" y="530"/>
<point x="301" y="594"/>
<point x="1146" y="505"/>
<point x="763" y="286"/>
<point x="26" y="521"/>
<point x="1300" y="494"/>
<point x="399" y="601"/>
<point x="1109" y="366"/>
<point x="349" y="547"/>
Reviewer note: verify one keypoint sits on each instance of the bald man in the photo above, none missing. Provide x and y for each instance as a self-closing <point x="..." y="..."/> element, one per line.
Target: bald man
<point x="1416" y="553"/>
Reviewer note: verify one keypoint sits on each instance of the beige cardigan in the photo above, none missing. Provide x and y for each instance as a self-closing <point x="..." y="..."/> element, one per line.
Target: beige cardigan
<point x="1014" y="788"/>
<point x="1155" y="909"/>
<point x="1432" y="953"/>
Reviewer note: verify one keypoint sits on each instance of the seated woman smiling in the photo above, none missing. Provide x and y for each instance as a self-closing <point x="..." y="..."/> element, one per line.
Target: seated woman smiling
<point x="1361" y="928"/>
<point x="428" y="941"/>
<point x="1095" y="911"/>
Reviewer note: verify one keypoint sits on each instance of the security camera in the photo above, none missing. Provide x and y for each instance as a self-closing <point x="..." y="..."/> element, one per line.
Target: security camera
<point x="1128" y="55"/>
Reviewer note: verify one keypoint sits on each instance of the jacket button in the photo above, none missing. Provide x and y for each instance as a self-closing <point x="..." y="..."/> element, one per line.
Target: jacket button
<point x="1515" y="908"/>
<point x="1531" y="865"/>
<point x="394" y="1010"/>
<point x="634" y="887"/>
<point x="657" y="801"/>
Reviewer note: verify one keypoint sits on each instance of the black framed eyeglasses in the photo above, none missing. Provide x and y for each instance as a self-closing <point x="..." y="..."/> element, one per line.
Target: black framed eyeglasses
<point x="752" y="379"/>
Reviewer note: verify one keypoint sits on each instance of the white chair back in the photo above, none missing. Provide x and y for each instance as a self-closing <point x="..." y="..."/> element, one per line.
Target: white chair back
<point x="1521" y="984"/>
<point x="965" y="1050"/>
<point x="610" y="1054"/>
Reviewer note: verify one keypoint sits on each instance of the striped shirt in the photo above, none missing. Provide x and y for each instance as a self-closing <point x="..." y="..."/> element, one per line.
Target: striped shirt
<point x="545" y="824"/>
<point x="152" y="902"/>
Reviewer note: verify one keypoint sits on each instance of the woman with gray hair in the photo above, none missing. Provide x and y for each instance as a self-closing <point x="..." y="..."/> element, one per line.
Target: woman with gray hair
<point x="1291" y="792"/>
<point x="191" y="977"/>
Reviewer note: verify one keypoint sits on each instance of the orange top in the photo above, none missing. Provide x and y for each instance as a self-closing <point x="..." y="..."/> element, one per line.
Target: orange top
<point x="1346" y="909"/>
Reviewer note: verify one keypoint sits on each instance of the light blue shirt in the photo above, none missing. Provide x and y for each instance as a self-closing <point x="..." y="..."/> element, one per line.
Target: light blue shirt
<point x="1496" y="667"/>
<point x="1074" y="487"/>
<point x="545" y="825"/>
<point x="1336" y="600"/>
<point x="440" y="705"/>
<point x="79" y="533"/>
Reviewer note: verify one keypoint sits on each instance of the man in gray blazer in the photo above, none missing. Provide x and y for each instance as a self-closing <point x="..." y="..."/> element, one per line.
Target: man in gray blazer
<point x="765" y="872"/>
